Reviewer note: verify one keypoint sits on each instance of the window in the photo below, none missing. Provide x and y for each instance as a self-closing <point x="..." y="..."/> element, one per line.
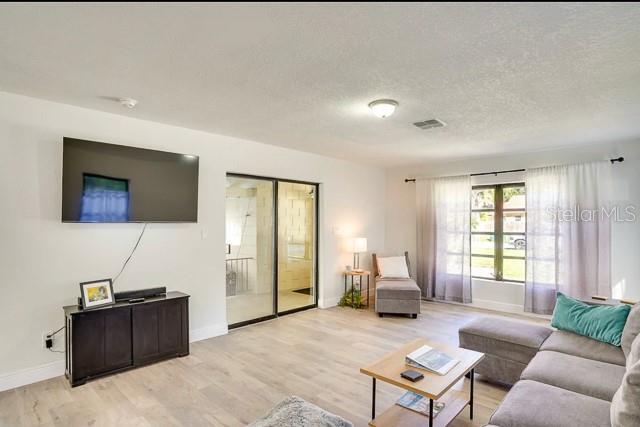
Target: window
<point x="104" y="199"/>
<point x="498" y="241"/>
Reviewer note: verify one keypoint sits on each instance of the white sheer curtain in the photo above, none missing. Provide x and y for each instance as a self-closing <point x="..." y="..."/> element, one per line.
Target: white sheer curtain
<point x="102" y="204"/>
<point x="568" y="233"/>
<point x="444" y="238"/>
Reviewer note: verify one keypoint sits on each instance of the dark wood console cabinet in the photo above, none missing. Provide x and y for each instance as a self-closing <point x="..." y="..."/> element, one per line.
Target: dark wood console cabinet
<point x="124" y="336"/>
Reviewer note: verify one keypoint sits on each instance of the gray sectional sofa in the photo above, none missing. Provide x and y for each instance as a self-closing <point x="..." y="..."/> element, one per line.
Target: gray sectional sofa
<point x="559" y="378"/>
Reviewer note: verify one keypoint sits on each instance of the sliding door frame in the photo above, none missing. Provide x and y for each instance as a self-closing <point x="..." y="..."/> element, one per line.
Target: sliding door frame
<point x="274" y="243"/>
<point x="316" y="248"/>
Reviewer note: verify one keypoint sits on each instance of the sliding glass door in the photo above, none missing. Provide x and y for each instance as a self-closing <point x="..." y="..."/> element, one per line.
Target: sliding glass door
<point x="296" y="245"/>
<point x="271" y="247"/>
<point x="250" y="233"/>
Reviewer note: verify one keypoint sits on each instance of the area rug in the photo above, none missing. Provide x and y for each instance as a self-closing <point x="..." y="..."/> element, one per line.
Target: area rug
<point x="297" y="412"/>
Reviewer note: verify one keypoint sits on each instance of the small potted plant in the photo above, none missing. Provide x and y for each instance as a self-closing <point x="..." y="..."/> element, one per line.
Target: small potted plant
<point x="351" y="298"/>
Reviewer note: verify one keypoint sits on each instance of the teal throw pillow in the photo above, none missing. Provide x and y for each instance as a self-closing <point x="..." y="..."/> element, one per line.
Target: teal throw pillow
<point x="600" y="322"/>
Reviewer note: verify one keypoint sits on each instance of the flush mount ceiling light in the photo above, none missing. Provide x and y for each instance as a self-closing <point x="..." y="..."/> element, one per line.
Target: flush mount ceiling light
<point x="383" y="108"/>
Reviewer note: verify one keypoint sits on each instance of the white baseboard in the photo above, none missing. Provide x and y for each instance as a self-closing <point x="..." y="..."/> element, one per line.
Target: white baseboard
<point x="329" y="302"/>
<point x="31" y="375"/>
<point x="498" y="306"/>
<point x="55" y="369"/>
<point x="208" y="332"/>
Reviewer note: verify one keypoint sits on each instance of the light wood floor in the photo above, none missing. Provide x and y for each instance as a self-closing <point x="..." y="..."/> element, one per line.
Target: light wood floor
<point x="234" y="379"/>
<point x="252" y="306"/>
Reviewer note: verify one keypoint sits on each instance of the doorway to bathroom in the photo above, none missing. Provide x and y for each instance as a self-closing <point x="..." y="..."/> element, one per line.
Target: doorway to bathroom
<point x="271" y="247"/>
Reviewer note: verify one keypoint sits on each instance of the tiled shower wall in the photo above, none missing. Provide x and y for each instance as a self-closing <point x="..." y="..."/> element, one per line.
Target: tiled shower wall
<point x="249" y="214"/>
<point x="296" y="236"/>
<point x="264" y="237"/>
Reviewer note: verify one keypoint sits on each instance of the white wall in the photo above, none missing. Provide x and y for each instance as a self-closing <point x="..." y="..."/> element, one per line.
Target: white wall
<point x="401" y="215"/>
<point x="42" y="260"/>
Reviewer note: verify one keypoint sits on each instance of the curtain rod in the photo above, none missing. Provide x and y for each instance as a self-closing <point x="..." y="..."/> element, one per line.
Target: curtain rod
<point x="618" y="159"/>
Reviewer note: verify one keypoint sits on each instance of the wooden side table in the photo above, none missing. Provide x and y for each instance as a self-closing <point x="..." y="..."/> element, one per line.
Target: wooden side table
<point x="359" y="274"/>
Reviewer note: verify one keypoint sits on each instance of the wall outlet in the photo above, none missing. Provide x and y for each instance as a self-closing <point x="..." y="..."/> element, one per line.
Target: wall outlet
<point x="47" y="340"/>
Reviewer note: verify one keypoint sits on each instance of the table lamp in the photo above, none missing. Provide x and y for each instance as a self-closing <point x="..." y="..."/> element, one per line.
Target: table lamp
<point x="358" y="244"/>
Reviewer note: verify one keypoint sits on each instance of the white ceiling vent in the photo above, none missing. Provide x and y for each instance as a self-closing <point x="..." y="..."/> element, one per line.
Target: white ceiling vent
<point x="430" y="124"/>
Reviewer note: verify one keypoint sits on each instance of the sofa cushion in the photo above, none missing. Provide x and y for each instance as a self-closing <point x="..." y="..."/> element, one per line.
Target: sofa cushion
<point x="397" y="289"/>
<point x="500" y="369"/>
<point x="625" y="410"/>
<point x="601" y="322"/>
<point x="631" y="329"/>
<point x="590" y="377"/>
<point x="577" y="345"/>
<point x="534" y="404"/>
<point x="503" y="338"/>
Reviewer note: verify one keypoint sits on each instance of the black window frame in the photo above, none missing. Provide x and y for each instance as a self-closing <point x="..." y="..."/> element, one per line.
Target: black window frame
<point x="498" y="233"/>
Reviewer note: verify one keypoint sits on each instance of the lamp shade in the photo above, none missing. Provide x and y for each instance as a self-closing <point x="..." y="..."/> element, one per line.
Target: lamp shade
<point x="354" y="244"/>
<point x="359" y="244"/>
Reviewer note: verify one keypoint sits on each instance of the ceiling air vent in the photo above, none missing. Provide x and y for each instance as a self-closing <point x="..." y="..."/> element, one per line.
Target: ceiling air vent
<point x="430" y="124"/>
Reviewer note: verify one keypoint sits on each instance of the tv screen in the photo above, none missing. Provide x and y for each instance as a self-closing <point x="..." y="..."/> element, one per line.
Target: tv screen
<point x="115" y="183"/>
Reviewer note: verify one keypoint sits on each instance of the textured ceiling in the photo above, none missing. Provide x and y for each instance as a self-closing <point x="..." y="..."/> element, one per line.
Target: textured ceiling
<point x="504" y="77"/>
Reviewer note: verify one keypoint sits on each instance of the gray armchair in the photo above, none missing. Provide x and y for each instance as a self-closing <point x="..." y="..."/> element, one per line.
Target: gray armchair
<point x="396" y="295"/>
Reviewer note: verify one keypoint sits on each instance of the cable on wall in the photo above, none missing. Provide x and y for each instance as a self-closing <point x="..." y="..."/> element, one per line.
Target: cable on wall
<point x="49" y="340"/>
<point x="54" y="333"/>
<point x="131" y="254"/>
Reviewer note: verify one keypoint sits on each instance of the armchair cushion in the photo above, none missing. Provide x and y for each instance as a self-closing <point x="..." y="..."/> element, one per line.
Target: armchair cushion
<point x="393" y="267"/>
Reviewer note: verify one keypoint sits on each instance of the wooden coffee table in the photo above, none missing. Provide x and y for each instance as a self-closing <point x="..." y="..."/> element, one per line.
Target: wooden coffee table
<point x="433" y="386"/>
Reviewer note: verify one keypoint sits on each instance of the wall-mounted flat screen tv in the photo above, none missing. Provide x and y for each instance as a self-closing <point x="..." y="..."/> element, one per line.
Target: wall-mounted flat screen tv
<point x="115" y="183"/>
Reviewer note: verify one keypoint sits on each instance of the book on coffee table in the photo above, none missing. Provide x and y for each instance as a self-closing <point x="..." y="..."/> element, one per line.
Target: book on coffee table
<point x="452" y="388"/>
<point x="419" y="404"/>
<point x="431" y="359"/>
